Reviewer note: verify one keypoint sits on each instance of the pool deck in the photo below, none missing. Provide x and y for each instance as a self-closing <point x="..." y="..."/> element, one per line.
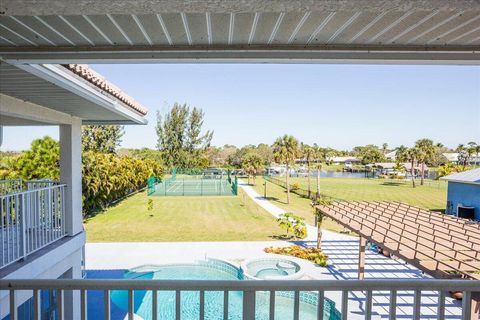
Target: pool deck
<point x="343" y="255"/>
<point x="341" y="249"/>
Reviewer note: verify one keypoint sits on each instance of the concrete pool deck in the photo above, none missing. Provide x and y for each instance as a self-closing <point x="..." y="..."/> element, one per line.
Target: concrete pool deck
<point x="343" y="263"/>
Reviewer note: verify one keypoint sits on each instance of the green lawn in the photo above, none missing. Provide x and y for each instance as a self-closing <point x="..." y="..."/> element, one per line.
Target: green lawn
<point x="183" y="219"/>
<point x="432" y="196"/>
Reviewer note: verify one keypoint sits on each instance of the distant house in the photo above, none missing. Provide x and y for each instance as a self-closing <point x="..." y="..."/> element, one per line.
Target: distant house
<point x="388" y="168"/>
<point x="391" y="156"/>
<point x="344" y="160"/>
<point x="452" y="157"/>
<point x="463" y="197"/>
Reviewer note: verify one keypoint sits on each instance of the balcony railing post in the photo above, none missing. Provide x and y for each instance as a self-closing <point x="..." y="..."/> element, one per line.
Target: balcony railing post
<point x="23" y="216"/>
<point x="248" y="304"/>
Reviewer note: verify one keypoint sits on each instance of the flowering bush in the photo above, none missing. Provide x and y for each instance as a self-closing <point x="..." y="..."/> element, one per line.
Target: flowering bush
<point x="311" y="254"/>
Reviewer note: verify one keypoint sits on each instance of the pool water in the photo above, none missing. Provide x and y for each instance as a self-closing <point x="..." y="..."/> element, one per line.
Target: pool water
<point x="190" y="304"/>
<point x="270" y="272"/>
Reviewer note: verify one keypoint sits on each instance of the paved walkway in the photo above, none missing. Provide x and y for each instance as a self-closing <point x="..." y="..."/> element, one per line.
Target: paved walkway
<point x="277" y="211"/>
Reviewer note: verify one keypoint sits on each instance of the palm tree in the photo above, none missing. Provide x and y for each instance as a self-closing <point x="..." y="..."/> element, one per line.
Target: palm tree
<point x="309" y="155"/>
<point x="426" y="152"/>
<point x="319" y="155"/>
<point x="252" y="162"/>
<point x="472" y="149"/>
<point x="477" y="152"/>
<point x="405" y="154"/>
<point x="285" y="150"/>
<point x="385" y="148"/>
<point x="412" y="155"/>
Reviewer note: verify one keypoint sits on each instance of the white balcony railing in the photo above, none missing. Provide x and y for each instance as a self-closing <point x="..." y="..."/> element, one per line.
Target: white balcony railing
<point x="30" y="220"/>
<point x="249" y="290"/>
<point x="10" y="186"/>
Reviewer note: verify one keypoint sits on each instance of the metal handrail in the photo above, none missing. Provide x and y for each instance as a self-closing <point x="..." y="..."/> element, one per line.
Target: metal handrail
<point x="264" y="285"/>
<point x="32" y="190"/>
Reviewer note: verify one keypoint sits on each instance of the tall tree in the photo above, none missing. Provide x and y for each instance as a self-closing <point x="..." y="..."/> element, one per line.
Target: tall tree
<point x="426" y="152"/>
<point x="252" y="162"/>
<point x="472" y="148"/>
<point x="320" y="155"/>
<point x="405" y="154"/>
<point x="180" y="138"/>
<point x="104" y="139"/>
<point x="309" y="155"/>
<point x="385" y="148"/>
<point x="285" y="150"/>
<point x="369" y="154"/>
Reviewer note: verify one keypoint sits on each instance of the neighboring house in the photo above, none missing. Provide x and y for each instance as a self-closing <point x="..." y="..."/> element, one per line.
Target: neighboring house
<point x="452" y="157"/>
<point x="463" y="197"/>
<point x="388" y="168"/>
<point x="391" y="156"/>
<point x="343" y="160"/>
<point x="42" y="235"/>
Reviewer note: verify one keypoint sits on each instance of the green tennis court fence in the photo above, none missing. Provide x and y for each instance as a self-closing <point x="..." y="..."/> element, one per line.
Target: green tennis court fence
<point x="193" y="187"/>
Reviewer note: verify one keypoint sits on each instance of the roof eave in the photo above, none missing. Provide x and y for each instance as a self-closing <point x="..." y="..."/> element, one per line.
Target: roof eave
<point x="65" y="79"/>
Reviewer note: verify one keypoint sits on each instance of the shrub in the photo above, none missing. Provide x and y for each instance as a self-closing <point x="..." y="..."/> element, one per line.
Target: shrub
<point x="294" y="186"/>
<point x="292" y="223"/>
<point x="311" y="254"/>
<point x="107" y="177"/>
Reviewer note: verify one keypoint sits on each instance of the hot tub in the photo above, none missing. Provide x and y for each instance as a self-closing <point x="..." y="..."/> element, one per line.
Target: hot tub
<point x="271" y="269"/>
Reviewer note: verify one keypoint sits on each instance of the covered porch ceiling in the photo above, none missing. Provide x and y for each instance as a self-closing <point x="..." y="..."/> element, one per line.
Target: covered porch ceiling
<point x="325" y="31"/>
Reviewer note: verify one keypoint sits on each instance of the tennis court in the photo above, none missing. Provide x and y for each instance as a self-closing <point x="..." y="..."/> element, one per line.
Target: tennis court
<point x="194" y="186"/>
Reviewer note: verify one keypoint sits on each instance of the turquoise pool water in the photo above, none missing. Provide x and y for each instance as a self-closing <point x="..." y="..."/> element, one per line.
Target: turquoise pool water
<point x="213" y="300"/>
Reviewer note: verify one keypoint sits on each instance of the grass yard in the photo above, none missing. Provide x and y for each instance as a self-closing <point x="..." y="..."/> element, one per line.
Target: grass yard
<point x="182" y="219"/>
<point x="432" y="196"/>
<point x="298" y="205"/>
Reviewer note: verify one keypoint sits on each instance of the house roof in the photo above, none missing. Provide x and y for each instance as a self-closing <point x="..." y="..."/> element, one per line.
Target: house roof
<point x="74" y="90"/>
<point x="469" y="176"/>
<point x="85" y="72"/>
<point x="451" y="156"/>
<point x="391" y="154"/>
<point x="344" y="159"/>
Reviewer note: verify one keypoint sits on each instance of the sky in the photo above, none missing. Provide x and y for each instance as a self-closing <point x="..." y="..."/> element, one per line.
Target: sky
<point x="339" y="106"/>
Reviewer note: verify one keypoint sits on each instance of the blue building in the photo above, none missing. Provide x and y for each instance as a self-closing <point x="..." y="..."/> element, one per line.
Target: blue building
<point x="463" y="198"/>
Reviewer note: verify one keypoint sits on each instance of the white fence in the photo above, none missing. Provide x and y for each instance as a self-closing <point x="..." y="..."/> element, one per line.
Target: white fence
<point x="249" y="288"/>
<point x="30" y="220"/>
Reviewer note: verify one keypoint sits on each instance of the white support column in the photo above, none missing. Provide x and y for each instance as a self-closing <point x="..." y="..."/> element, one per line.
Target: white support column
<point x="71" y="174"/>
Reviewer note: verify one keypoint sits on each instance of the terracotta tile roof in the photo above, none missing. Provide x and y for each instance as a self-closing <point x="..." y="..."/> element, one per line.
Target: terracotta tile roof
<point x="100" y="82"/>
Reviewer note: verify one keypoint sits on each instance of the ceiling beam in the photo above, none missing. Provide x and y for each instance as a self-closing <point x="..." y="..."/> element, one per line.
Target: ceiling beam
<point x="464" y="55"/>
<point x="93" y="7"/>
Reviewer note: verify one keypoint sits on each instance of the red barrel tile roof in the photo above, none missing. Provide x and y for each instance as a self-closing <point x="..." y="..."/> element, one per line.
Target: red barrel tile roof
<point x="100" y="82"/>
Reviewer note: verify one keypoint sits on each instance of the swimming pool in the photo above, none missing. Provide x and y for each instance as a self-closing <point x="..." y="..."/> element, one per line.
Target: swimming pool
<point x="213" y="270"/>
